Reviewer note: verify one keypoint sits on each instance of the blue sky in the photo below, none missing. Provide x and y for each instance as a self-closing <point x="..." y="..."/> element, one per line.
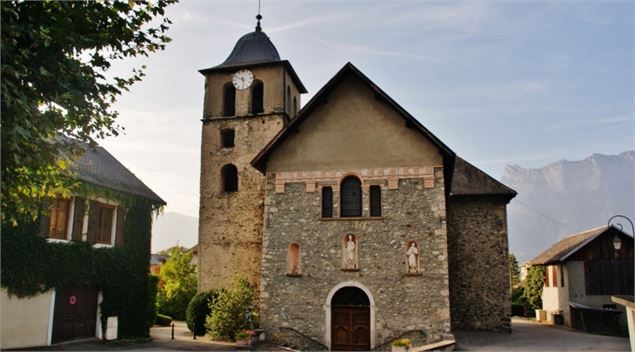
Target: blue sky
<point x="500" y="82"/>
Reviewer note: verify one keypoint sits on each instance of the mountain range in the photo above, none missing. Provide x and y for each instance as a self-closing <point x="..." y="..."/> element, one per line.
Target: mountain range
<point x="567" y="197"/>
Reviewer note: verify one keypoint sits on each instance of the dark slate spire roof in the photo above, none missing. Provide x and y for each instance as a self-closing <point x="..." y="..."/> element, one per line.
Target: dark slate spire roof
<point x="252" y="48"/>
<point x="99" y="167"/>
<point x="255" y="49"/>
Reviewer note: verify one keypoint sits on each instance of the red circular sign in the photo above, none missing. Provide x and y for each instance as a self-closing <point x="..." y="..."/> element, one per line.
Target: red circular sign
<point x="72" y="300"/>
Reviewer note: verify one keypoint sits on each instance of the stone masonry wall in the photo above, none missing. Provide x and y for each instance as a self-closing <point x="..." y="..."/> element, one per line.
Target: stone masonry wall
<point x="411" y="305"/>
<point x="479" y="269"/>
<point x="230" y="224"/>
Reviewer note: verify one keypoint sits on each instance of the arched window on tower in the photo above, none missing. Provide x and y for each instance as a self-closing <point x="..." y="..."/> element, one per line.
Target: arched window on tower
<point x="229" y="100"/>
<point x="229" y="174"/>
<point x="257" y="92"/>
<point x="351" y="197"/>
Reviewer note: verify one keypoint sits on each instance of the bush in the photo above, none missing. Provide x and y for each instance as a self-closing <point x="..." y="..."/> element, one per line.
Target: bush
<point x="153" y="280"/>
<point x="229" y="310"/>
<point x="198" y="309"/>
<point x="163" y="320"/>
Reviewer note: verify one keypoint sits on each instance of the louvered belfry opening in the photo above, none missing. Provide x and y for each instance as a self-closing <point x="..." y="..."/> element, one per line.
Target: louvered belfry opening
<point x="351" y="197"/>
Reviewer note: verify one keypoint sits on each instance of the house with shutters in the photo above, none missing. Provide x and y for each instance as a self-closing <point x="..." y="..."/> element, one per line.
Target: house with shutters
<point x="87" y="260"/>
<point x="582" y="272"/>
<point x="354" y="221"/>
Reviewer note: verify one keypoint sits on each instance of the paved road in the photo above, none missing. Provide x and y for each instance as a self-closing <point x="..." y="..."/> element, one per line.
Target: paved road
<point x="526" y="336"/>
<point x="532" y="336"/>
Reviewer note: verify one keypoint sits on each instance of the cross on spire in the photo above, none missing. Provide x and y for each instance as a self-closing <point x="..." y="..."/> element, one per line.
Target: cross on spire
<point x="258" y="17"/>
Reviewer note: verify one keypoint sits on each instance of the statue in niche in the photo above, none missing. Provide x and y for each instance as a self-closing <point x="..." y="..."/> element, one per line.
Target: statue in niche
<point x="350" y="252"/>
<point x="412" y="255"/>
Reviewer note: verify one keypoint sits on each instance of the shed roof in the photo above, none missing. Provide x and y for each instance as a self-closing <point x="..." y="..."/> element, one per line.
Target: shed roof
<point x="569" y="245"/>
<point x="99" y="167"/>
<point x="468" y="180"/>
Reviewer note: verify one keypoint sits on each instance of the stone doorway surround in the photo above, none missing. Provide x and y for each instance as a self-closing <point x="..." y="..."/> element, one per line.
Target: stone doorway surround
<point x="327" y="311"/>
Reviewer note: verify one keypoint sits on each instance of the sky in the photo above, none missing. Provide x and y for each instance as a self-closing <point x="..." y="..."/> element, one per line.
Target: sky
<point x="499" y="82"/>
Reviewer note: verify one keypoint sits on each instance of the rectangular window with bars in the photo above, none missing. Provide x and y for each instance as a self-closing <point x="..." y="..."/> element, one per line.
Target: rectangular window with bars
<point x="375" y="201"/>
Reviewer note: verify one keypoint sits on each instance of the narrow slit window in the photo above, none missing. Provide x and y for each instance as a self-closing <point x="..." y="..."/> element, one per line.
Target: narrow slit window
<point x="227" y="137"/>
<point x="295" y="106"/>
<point x="288" y="99"/>
<point x="351" y="197"/>
<point x="257" y="100"/>
<point x="375" y="201"/>
<point x="229" y="101"/>
<point x="230" y="178"/>
<point x="327" y="202"/>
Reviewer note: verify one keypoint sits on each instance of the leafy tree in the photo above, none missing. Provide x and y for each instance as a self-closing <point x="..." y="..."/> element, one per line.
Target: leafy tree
<point x="229" y="310"/>
<point x="514" y="270"/>
<point x="179" y="280"/>
<point x="533" y="285"/>
<point x="55" y="59"/>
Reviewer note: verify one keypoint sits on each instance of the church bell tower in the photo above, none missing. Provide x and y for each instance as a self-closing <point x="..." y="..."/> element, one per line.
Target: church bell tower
<point x="248" y="99"/>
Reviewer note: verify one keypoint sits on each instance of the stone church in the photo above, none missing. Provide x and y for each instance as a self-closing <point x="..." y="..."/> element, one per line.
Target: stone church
<point x="356" y="224"/>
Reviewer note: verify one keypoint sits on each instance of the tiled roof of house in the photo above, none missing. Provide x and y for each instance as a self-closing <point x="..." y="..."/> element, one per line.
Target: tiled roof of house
<point x="567" y="246"/>
<point x="467" y="180"/>
<point x="99" y="167"/>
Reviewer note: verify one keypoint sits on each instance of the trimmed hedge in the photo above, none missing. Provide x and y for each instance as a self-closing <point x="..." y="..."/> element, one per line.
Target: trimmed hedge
<point x="198" y="309"/>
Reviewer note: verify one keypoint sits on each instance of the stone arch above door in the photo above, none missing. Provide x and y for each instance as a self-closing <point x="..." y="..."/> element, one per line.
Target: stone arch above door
<point x="328" y="309"/>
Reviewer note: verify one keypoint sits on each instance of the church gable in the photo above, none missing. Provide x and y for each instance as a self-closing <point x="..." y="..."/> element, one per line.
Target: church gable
<point x="351" y="123"/>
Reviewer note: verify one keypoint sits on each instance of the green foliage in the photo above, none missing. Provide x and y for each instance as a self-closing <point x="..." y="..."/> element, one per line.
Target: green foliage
<point x="179" y="283"/>
<point x="56" y="57"/>
<point x="153" y="289"/>
<point x="164" y="320"/>
<point x="229" y="310"/>
<point x="30" y="265"/>
<point x="533" y="286"/>
<point x="514" y="270"/>
<point x="198" y="310"/>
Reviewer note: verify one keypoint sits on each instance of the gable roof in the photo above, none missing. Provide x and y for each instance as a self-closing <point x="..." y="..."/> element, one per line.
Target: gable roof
<point x="99" y="167"/>
<point x="260" y="161"/>
<point x="568" y="246"/>
<point x="468" y="180"/>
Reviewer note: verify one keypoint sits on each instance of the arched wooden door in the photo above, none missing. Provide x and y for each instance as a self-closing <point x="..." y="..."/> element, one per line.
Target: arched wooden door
<point x="350" y="320"/>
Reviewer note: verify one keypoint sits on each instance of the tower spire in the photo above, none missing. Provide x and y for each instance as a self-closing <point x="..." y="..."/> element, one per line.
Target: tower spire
<point x="258" y="17"/>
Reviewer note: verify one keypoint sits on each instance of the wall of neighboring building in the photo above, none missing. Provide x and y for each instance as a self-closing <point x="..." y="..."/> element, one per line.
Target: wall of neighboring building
<point x="478" y="263"/>
<point x="577" y="291"/>
<point x="555" y="298"/>
<point x="26" y="321"/>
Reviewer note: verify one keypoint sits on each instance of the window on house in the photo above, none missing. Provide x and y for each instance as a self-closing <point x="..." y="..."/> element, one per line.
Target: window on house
<point x="59" y="214"/>
<point x="546" y="272"/>
<point x="229" y="174"/>
<point x="327" y="202"/>
<point x="351" y="197"/>
<point x="227" y="138"/>
<point x="229" y="100"/>
<point x="257" y="100"/>
<point x="375" y="201"/>
<point x="106" y="217"/>
<point x="295" y="106"/>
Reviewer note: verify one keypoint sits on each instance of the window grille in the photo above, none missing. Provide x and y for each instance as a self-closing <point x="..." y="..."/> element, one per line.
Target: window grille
<point x="351" y="197"/>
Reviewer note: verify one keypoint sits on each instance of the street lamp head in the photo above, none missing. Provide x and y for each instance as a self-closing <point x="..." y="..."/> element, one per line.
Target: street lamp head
<point x="617" y="243"/>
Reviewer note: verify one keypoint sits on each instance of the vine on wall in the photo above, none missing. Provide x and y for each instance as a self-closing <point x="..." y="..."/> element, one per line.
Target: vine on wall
<point x="31" y="265"/>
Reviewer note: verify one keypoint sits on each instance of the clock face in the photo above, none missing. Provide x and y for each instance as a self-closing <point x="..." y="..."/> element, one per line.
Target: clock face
<point x="242" y="79"/>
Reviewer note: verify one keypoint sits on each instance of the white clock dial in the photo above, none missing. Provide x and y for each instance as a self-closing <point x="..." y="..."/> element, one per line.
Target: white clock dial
<point x="242" y="79"/>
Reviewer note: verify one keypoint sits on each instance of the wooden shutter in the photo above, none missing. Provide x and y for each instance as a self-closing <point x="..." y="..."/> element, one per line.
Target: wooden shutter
<point x="93" y="221"/>
<point x="121" y="221"/>
<point x="45" y="220"/>
<point x="78" y="218"/>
